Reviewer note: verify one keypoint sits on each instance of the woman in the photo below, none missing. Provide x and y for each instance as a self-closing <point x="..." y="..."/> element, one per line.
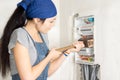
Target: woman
<point x="24" y="50"/>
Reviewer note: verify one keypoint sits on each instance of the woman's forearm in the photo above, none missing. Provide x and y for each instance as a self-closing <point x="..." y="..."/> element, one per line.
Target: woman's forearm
<point x="55" y="64"/>
<point x="37" y="69"/>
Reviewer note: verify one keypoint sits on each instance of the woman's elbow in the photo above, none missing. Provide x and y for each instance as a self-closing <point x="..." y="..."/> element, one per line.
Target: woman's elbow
<point x="50" y="72"/>
<point x="27" y="77"/>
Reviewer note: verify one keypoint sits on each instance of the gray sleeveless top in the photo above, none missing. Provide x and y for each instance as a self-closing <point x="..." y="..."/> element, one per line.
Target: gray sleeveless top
<point x="21" y="36"/>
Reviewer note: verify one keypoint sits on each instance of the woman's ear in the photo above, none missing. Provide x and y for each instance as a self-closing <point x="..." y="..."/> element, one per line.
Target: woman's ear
<point x="36" y="20"/>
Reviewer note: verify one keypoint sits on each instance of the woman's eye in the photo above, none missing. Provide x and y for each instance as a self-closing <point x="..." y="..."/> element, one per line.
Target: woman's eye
<point x="51" y="21"/>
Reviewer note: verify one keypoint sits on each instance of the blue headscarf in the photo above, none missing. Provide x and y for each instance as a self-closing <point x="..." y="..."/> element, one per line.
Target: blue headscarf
<point x="39" y="8"/>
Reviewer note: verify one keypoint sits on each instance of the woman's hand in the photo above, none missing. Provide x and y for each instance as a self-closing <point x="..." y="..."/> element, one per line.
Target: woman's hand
<point x="53" y="54"/>
<point x="78" y="45"/>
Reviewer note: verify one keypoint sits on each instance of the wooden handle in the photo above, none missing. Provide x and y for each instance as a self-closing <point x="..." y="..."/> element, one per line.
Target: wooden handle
<point x="85" y="41"/>
<point x="65" y="48"/>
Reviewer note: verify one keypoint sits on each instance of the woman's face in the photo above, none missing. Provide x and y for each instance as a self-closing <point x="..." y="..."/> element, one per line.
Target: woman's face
<point x="46" y="25"/>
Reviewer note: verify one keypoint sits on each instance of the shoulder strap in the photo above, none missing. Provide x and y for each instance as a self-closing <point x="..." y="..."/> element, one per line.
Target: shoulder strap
<point x="29" y="35"/>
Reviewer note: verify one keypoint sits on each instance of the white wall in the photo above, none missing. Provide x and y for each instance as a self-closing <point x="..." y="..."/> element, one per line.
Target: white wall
<point x="109" y="15"/>
<point x="106" y="33"/>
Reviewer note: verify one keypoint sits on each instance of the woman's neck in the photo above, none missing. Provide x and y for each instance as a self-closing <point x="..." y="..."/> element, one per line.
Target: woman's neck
<point x="34" y="33"/>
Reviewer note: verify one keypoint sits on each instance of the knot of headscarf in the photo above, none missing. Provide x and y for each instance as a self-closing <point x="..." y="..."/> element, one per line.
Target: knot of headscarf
<point x="24" y="3"/>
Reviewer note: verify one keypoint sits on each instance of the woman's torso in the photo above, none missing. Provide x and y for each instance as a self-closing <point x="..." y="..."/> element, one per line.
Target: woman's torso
<point x="40" y="51"/>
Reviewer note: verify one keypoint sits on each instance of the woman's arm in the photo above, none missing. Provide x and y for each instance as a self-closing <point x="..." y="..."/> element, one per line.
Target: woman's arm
<point x="24" y="67"/>
<point x="56" y="63"/>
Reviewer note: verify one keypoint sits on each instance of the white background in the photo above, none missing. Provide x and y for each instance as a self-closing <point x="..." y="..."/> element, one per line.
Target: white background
<point x="107" y="30"/>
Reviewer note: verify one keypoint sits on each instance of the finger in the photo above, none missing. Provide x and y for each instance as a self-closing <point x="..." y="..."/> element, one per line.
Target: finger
<point x="80" y="42"/>
<point x="75" y="42"/>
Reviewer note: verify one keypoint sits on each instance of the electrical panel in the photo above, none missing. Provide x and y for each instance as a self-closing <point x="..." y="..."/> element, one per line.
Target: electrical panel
<point x="83" y="30"/>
